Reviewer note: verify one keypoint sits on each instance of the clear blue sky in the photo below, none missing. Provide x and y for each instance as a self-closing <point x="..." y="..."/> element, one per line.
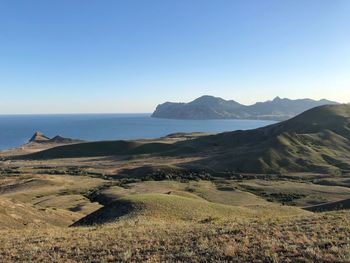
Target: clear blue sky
<point x="129" y="55"/>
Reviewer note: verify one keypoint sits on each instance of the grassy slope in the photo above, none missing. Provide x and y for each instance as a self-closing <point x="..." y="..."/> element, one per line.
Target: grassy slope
<point x="54" y="200"/>
<point x="204" y="190"/>
<point x="18" y="215"/>
<point x="316" y="141"/>
<point x="178" y="226"/>
<point x="191" y="222"/>
<point x="174" y="207"/>
<point x="297" y="193"/>
<point x="304" y="239"/>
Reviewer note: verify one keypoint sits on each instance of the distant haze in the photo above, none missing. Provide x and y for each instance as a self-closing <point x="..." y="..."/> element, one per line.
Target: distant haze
<point x="129" y="56"/>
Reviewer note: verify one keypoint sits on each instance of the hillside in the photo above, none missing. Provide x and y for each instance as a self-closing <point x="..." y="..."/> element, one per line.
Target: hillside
<point x="314" y="141"/>
<point x="101" y="148"/>
<point x="209" y="107"/>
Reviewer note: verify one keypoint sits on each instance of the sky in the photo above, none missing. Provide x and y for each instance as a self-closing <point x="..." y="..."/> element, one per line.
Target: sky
<point x="120" y="56"/>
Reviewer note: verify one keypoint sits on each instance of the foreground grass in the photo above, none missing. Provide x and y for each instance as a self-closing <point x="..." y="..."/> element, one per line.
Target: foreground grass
<point x="311" y="238"/>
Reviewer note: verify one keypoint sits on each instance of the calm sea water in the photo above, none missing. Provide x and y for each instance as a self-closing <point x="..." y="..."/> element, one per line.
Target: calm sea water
<point x="16" y="130"/>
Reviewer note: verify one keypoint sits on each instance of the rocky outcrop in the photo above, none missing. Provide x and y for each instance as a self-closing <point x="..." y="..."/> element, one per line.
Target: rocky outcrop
<point x="39" y="137"/>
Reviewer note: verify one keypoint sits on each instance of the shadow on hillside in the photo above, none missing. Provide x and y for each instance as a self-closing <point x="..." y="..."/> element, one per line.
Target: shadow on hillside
<point x="106" y="214"/>
<point x="116" y="149"/>
<point x="332" y="206"/>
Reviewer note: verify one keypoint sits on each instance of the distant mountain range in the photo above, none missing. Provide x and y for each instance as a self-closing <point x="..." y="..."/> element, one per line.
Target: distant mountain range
<point x="209" y="107"/>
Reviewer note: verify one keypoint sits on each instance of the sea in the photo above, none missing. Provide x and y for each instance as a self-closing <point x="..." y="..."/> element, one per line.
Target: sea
<point x="16" y="130"/>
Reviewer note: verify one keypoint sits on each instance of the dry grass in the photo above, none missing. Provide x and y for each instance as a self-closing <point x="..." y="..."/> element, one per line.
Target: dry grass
<point x="186" y="221"/>
<point x="174" y="208"/>
<point x="306" y="193"/>
<point x="317" y="238"/>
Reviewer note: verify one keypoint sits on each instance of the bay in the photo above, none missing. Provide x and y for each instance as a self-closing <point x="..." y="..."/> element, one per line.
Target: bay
<point x="16" y="130"/>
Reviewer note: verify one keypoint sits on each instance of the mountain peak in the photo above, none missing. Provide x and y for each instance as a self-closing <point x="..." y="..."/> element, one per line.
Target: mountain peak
<point x="207" y="98"/>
